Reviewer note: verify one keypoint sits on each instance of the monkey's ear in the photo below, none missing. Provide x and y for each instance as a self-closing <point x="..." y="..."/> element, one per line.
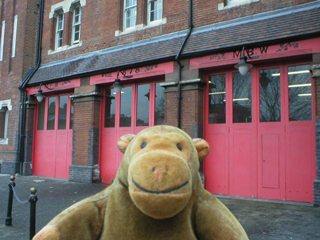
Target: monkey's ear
<point x="124" y="141"/>
<point x="202" y="147"/>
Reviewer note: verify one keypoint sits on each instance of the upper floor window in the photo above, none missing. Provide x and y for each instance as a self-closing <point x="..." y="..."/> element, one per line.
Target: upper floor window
<point x="152" y="18"/>
<point x="59" y="29"/>
<point x="5" y="107"/>
<point x="76" y="25"/>
<point x="154" y="10"/>
<point x="130" y="13"/>
<point x="3" y="26"/>
<point x="14" y="36"/>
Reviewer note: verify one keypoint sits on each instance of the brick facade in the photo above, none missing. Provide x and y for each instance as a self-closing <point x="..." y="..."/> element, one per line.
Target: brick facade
<point x="85" y="150"/>
<point x="13" y="68"/>
<point x="105" y="47"/>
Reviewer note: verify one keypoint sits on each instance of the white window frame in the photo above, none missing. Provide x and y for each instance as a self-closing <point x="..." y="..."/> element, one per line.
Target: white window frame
<point x="128" y="9"/>
<point x="158" y="10"/>
<point x="5" y="106"/>
<point x="59" y="30"/>
<point x="76" y="24"/>
<point x="14" y="36"/>
<point x="3" y="27"/>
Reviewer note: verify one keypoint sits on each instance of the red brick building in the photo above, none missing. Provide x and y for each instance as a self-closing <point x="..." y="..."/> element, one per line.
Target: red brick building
<point x="176" y="63"/>
<point x="18" y="42"/>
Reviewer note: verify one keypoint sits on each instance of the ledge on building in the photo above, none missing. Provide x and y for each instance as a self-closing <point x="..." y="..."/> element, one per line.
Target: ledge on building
<point x="83" y="174"/>
<point x="223" y="6"/>
<point x="65" y="48"/>
<point x="140" y="27"/>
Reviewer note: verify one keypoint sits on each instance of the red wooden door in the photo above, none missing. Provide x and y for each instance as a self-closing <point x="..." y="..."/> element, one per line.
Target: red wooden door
<point x="300" y="134"/>
<point x="242" y="144"/>
<point x="53" y="137"/>
<point x="137" y="107"/>
<point x="262" y="139"/>
<point x="271" y="133"/>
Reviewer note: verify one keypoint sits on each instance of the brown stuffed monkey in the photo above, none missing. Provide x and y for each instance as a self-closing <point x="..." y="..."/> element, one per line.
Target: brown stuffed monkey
<point x="157" y="194"/>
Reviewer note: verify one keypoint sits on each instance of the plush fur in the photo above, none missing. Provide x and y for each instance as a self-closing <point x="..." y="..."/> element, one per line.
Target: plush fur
<point x="157" y="194"/>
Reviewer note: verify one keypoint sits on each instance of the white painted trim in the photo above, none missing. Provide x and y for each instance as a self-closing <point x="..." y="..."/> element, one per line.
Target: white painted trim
<point x="8" y="106"/>
<point x="222" y="6"/>
<point x="2" y="39"/>
<point x="14" y="36"/>
<point x="64" y="48"/>
<point x="141" y="27"/>
<point x="65" y="5"/>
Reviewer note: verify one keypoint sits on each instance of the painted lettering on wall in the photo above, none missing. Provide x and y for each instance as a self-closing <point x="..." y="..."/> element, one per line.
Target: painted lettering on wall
<point x="287" y="46"/>
<point x="251" y="52"/>
<point x="131" y="71"/>
<point x="218" y="56"/>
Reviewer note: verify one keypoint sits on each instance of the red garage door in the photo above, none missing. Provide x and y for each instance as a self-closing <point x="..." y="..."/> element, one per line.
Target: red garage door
<point x="138" y="106"/>
<point x="53" y="137"/>
<point x="261" y="131"/>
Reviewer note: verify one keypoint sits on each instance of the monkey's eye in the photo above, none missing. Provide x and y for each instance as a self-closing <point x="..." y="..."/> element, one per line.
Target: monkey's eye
<point x="179" y="146"/>
<point x="143" y="144"/>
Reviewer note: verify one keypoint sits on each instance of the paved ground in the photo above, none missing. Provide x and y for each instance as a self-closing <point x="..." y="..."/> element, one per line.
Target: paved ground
<point x="262" y="220"/>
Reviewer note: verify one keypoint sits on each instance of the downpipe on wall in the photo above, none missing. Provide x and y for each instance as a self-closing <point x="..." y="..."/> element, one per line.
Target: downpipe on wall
<point x="180" y="66"/>
<point x="23" y="92"/>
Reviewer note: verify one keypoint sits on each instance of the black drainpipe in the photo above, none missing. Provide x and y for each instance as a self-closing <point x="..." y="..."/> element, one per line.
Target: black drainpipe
<point x="180" y="66"/>
<point x="23" y="92"/>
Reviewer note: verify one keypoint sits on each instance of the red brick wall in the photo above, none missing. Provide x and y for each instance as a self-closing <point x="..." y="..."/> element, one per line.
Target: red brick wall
<point x="192" y="112"/>
<point x="206" y="12"/>
<point x="100" y="20"/>
<point x="171" y="108"/>
<point x="86" y="118"/>
<point x="13" y="69"/>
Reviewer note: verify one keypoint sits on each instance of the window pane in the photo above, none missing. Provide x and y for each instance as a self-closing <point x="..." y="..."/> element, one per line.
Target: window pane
<point x="155" y="10"/>
<point x="130" y="13"/>
<point x="125" y="112"/>
<point x="76" y="24"/>
<point x="62" y="121"/>
<point x="110" y="109"/>
<point x="300" y="93"/>
<point x="51" y="113"/>
<point x="159" y="108"/>
<point x="217" y="99"/>
<point x="41" y="106"/>
<point x="241" y="98"/>
<point x="71" y="115"/>
<point x="270" y="95"/>
<point x="76" y="36"/>
<point x="143" y="105"/>
<point x="3" y="122"/>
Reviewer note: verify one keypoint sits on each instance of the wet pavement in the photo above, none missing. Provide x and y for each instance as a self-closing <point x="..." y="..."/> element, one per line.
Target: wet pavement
<point x="263" y="220"/>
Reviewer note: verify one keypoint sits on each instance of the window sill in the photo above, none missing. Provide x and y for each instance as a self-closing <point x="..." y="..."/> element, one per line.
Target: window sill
<point x="222" y="6"/>
<point x="65" y="48"/>
<point x="4" y="141"/>
<point x="141" y="27"/>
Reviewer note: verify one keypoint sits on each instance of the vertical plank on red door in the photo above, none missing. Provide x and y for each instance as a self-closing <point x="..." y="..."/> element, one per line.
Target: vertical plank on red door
<point x="300" y="171"/>
<point x="241" y="165"/>
<point x="270" y="161"/>
<point x="61" y="154"/>
<point x="216" y="164"/>
<point x="108" y="153"/>
<point x="49" y="146"/>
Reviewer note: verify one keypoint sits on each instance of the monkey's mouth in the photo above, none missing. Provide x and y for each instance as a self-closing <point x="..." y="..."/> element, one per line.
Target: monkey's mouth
<point x="159" y="192"/>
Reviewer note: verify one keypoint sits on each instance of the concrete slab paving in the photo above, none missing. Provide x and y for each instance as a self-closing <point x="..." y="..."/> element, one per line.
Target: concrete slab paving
<point x="263" y="220"/>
